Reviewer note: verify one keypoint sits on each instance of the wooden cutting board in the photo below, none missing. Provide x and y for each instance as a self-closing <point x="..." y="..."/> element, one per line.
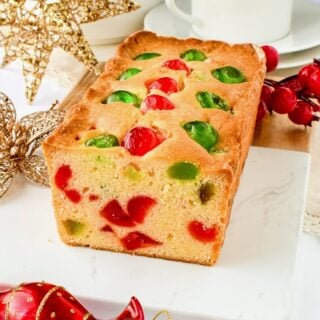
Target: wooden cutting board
<point x="275" y="131"/>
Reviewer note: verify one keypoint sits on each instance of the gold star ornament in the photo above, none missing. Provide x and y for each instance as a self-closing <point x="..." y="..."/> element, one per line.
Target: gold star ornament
<point x="20" y="140"/>
<point x="38" y="26"/>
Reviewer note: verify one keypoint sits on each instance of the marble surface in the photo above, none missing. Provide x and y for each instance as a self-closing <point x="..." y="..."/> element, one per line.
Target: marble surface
<point x="253" y="278"/>
<point x="306" y="290"/>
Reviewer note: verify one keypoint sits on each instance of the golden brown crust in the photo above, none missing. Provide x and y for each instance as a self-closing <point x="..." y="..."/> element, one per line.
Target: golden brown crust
<point x="210" y="262"/>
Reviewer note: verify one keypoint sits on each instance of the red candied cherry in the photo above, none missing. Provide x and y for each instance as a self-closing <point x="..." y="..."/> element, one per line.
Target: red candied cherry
<point x="313" y="82"/>
<point x="73" y="195"/>
<point x="133" y="311"/>
<point x="139" y="206"/>
<point x="156" y="102"/>
<point x="262" y="110"/>
<point x="177" y="64"/>
<point x="272" y="57"/>
<point x="283" y="100"/>
<point x="165" y="84"/>
<point x="114" y="213"/>
<point x="201" y="232"/>
<point x="93" y="197"/>
<point x="62" y="177"/>
<point x="140" y="140"/>
<point x="305" y="73"/>
<point x="106" y="228"/>
<point x="136" y="240"/>
<point x="302" y="114"/>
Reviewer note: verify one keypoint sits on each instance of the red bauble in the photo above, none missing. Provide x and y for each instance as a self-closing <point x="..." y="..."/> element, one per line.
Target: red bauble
<point x="45" y="301"/>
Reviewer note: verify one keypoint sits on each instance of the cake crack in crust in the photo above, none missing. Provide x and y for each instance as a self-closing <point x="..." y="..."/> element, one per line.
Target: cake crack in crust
<point x="149" y="161"/>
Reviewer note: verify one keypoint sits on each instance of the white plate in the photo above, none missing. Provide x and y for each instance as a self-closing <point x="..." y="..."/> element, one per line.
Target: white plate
<point x="305" y="31"/>
<point x="298" y="59"/>
<point x="252" y="280"/>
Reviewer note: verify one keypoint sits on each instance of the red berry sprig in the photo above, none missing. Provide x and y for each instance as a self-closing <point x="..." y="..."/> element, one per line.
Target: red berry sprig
<point x="297" y="95"/>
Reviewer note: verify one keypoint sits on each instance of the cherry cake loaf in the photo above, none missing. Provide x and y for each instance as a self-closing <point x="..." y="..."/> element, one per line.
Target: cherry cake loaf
<point x="148" y="162"/>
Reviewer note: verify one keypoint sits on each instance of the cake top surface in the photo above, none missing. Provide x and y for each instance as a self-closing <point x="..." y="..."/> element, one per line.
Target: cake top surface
<point x="181" y="96"/>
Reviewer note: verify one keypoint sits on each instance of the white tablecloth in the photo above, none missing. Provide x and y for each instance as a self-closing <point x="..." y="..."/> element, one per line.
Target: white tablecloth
<point x="307" y="289"/>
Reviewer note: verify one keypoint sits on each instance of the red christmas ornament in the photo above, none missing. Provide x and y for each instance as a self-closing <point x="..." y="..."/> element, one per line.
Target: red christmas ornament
<point x="44" y="301"/>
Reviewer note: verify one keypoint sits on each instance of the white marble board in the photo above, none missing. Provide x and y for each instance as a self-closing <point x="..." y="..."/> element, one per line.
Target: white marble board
<point x="253" y="279"/>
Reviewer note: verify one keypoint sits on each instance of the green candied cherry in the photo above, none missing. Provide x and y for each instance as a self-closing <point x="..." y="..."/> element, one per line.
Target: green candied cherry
<point x="183" y="171"/>
<point x="211" y="101"/>
<point x="102" y="141"/>
<point x="147" y="56"/>
<point x="74" y="228"/>
<point x="193" y="55"/>
<point x="123" y="96"/>
<point x="129" y="73"/>
<point x="206" y="192"/>
<point x="132" y="173"/>
<point x="203" y="133"/>
<point x="229" y="75"/>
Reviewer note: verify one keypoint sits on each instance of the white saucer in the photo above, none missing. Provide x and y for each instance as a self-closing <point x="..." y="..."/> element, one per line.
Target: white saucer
<point x="297" y="59"/>
<point x="305" y="33"/>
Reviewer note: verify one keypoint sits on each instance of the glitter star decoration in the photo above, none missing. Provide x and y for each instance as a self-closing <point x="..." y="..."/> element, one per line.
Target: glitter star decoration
<point x="93" y="10"/>
<point x="20" y="140"/>
<point x="38" y="26"/>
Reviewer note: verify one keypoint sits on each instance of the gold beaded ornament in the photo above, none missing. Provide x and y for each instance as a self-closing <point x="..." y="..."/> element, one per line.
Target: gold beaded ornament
<point x="20" y="140"/>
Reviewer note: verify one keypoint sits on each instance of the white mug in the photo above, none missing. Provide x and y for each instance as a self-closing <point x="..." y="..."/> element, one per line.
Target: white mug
<point x="258" y="21"/>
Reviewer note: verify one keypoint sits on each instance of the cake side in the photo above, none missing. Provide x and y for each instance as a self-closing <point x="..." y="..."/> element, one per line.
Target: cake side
<point x="86" y="179"/>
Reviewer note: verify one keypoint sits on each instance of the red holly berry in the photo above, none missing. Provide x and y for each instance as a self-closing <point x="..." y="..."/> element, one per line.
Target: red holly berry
<point x="114" y="213"/>
<point x="292" y="83"/>
<point x="201" y="232"/>
<point x="176" y="64"/>
<point x="133" y="311"/>
<point x="313" y="82"/>
<point x="266" y="95"/>
<point x="272" y="57"/>
<point x="156" y="102"/>
<point x="62" y="177"/>
<point x="140" y="140"/>
<point x="136" y="240"/>
<point x="302" y="114"/>
<point x="165" y="84"/>
<point x="139" y="206"/>
<point x="262" y="110"/>
<point x="305" y="73"/>
<point x="283" y="100"/>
